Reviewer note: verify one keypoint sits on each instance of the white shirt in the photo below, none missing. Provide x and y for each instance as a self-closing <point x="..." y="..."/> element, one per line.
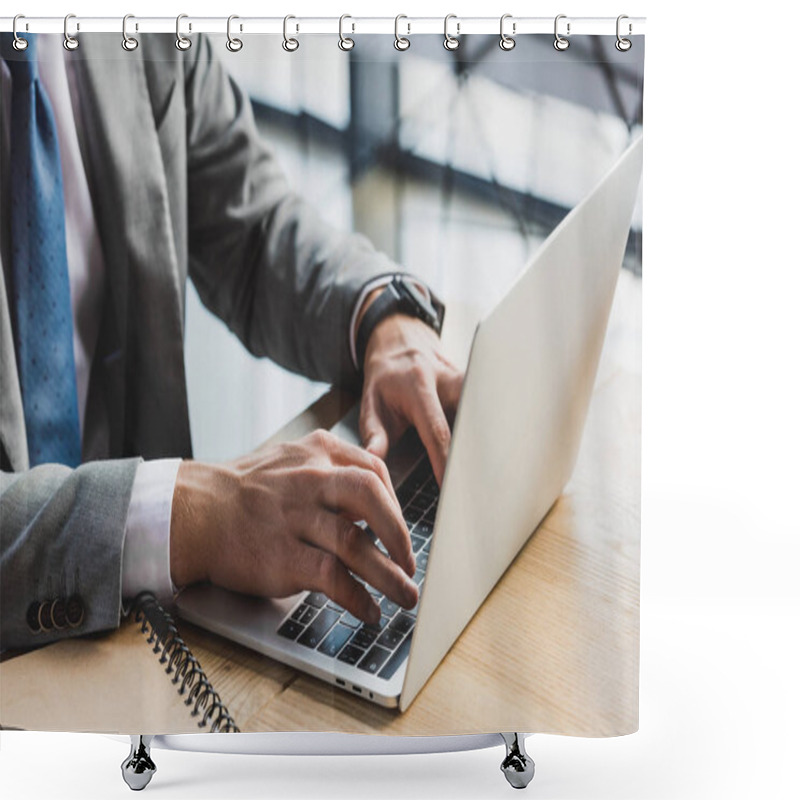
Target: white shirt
<point x="145" y="553"/>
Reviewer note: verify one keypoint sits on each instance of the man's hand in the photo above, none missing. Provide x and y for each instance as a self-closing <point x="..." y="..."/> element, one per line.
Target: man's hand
<point x="407" y="381"/>
<point x="281" y="520"/>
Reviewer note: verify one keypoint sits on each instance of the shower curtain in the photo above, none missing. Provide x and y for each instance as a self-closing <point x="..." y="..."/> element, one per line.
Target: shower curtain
<point x="214" y="252"/>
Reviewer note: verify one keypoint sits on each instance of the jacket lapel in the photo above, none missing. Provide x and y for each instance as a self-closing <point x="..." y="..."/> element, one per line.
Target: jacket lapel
<point x="142" y="349"/>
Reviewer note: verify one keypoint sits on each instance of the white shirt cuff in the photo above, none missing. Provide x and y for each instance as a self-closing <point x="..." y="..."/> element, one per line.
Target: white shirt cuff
<point x="377" y="283"/>
<point x="145" y="549"/>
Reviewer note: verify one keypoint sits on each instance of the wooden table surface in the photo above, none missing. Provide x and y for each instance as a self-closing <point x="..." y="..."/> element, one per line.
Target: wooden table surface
<point x="555" y="646"/>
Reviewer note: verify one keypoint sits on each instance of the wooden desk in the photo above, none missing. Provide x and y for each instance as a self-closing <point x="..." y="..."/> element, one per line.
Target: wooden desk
<point x="554" y="648"/>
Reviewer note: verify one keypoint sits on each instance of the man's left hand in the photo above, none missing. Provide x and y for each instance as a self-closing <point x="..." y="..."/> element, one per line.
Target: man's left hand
<point x="407" y="381"/>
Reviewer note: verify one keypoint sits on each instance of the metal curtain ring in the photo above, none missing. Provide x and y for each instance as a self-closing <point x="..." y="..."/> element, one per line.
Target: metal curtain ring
<point x="400" y="42"/>
<point x="507" y="42"/>
<point x="451" y="42"/>
<point x="129" y="43"/>
<point x="233" y="44"/>
<point x="181" y="41"/>
<point x="19" y="43"/>
<point x="345" y="42"/>
<point x="70" y="42"/>
<point x="622" y="44"/>
<point x="560" y="43"/>
<point x="289" y="44"/>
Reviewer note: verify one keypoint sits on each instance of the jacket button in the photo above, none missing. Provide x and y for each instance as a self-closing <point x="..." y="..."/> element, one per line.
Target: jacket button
<point x="74" y="611"/>
<point x="32" y="617"/>
<point x="58" y="614"/>
<point x="45" y="619"/>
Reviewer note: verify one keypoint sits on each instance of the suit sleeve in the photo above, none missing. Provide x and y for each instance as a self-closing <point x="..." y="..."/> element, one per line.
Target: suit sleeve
<point x="61" y="537"/>
<point x="259" y="255"/>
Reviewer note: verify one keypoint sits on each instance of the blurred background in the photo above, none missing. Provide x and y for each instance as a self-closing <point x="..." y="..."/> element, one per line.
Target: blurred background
<point x="457" y="164"/>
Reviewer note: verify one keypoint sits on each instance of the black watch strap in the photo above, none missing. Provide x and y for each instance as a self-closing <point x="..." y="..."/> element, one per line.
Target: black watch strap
<point x="400" y="296"/>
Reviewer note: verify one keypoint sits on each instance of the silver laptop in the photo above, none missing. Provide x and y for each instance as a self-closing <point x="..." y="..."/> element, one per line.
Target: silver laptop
<point x="526" y="392"/>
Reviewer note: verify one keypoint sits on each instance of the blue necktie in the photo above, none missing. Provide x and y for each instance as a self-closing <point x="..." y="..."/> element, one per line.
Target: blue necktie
<point x="40" y="297"/>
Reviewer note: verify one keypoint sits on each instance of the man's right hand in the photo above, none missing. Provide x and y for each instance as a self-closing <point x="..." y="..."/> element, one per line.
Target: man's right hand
<point x="281" y="520"/>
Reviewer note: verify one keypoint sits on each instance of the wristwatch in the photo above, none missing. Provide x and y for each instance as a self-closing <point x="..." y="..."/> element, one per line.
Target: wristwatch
<point x="400" y="296"/>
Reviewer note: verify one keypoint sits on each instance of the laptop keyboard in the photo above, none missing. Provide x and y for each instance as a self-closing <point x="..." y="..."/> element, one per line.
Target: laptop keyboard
<point x="318" y="623"/>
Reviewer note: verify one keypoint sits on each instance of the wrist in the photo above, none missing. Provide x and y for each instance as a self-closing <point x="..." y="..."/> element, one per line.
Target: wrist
<point x="402" y="298"/>
<point x="396" y="334"/>
<point x="197" y="523"/>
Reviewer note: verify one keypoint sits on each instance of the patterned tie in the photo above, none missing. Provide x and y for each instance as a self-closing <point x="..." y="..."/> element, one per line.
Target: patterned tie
<point x="40" y="303"/>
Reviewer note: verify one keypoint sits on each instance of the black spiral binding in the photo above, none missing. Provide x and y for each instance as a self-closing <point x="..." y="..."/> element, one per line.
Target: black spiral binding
<point x="182" y="665"/>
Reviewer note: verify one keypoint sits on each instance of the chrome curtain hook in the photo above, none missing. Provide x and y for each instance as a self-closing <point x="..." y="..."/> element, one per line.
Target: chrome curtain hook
<point x="19" y="43"/>
<point x="129" y="43"/>
<point x="451" y="42"/>
<point x="622" y="44"/>
<point x="70" y="42"/>
<point x="345" y="42"/>
<point x="507" y="42"/>
<point x="560" y="43"/>
<point x="233" y="44"/>
<point x="400" y="42"/>
<point x="181" y="41"/>
<point x="289" y="44"/>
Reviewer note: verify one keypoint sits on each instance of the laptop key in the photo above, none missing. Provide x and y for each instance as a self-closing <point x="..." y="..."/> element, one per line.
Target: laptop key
<point x="364" y="638"/>
<point x="422" y="560"/>
<point x="380" y="625"/>
<point x="402" y="623"/>
<point x="417" y="542"/>
<point x="390" y="639"/>
<point x="427" y="495"/>
<point x="316" y="631"/>
<point x="350" y="620"/>
<point x="337" y="608"/>
<point x="388" y="608"/>
<point x="316" y="599"/>
<point x="398" y="657"/>
<point x="412" y="514"/>
<point x="351" y="654"/>
<point x="374" y="659"/>
<point x="290" y="629"/>
<point x="423" y="529"/>
<point x="304" y="614"/>
<point x="335" y="640"/>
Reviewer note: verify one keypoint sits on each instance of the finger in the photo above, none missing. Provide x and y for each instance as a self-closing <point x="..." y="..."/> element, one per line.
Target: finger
<point x="361" y="495"/>
<point x="354" y="547"/>
<point x="428" y="417"/>
<point x="449" y="386"/>
<point x="373" y="432"/>
<point x="344" y="454"/>
<point x="322" y="572"/>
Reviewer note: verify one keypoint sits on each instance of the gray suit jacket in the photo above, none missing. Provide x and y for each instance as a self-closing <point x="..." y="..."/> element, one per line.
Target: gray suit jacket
<point x="182" y="186"/>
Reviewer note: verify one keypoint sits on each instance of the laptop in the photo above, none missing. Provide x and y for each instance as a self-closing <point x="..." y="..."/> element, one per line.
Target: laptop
<point x="526" y="392"/>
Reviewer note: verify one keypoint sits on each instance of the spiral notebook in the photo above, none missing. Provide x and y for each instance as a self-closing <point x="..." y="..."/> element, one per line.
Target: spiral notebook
<point x="99" y="684"/>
